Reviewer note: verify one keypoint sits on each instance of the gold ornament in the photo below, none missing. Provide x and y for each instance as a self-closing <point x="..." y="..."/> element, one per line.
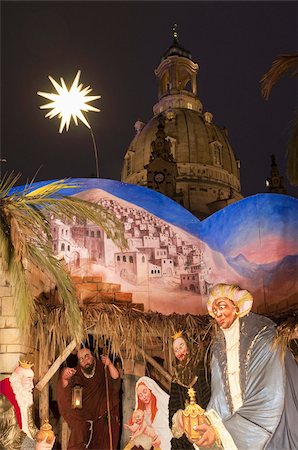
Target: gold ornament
<point x="192" y="417"/>
<point x="46" y="433"/>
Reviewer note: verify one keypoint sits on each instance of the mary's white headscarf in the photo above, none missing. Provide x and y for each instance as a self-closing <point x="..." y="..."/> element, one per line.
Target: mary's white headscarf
<point x="160" y="422"/>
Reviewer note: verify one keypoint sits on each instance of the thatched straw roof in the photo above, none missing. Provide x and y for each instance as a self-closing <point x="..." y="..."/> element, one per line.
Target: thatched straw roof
<point x="125" y="328"/>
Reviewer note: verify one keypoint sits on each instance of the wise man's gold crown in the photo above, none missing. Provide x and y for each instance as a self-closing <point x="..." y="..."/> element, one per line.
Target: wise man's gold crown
<point x="177" y="335"/>
<point x="26" y="364"/>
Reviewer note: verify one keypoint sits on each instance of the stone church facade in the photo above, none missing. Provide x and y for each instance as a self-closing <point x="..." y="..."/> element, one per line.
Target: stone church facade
<point x="180" y="152"/>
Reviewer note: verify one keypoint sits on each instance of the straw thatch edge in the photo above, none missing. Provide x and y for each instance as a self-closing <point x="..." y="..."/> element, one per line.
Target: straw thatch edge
<point x="122" y="329"/>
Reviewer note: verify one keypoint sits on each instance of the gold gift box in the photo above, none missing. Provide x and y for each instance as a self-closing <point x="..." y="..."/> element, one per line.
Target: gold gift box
<point x="193" y="416"/>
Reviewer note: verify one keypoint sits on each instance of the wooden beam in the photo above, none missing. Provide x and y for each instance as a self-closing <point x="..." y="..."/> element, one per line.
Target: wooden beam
<point x="55" y="366"/>
<point x="154" y="364"/>
<point x="44" y="393"/>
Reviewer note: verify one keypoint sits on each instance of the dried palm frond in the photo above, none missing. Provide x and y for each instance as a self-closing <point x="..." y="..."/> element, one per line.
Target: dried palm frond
<point x="287" y="333"/>
<point x="283" y="65"/>
<point x="124" y="327"/>
<point x="25" y="242"/>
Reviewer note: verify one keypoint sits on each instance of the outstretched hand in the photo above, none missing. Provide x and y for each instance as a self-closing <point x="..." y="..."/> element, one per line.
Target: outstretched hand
<point x="44" y="445"/>
<point x="208" y="438"/>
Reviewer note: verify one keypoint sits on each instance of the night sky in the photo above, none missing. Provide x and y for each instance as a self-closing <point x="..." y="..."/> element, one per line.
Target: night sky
<point x="117" y="46"/>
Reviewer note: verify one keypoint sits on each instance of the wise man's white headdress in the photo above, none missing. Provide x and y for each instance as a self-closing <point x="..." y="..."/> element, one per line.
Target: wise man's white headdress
<point x="242" y="298"/>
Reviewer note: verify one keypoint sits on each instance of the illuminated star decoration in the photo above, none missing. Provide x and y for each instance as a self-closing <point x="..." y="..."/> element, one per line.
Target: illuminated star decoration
<point x="70" y="103"/>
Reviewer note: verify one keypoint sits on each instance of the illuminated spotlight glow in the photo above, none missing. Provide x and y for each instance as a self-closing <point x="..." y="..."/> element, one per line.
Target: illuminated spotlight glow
<point x="70" y="103"/>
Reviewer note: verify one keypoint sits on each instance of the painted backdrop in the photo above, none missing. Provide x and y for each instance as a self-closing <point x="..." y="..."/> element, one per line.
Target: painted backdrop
<point x="172" y="258"/>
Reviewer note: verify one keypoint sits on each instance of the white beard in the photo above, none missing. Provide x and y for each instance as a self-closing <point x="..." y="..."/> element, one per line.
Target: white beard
<point x="24" y="399"/>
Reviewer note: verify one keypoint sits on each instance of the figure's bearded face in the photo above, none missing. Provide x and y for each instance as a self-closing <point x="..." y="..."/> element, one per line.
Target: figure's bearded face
<point x="27" y="382"/>
<point x="180" y="349"/>
<point x="22" y="385"/>
<point x="88" y="368"/>
<point x="86" y="360"/>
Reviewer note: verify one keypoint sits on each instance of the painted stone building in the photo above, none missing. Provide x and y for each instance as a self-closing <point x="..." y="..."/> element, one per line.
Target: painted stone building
<point x="181" y="152"/>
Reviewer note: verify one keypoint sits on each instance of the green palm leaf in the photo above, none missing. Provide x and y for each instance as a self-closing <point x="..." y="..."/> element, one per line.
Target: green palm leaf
<point x="25" y="241"/>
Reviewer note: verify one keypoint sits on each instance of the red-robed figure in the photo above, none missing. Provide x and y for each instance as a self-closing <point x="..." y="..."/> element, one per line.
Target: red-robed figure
<point x="17" y="427"/>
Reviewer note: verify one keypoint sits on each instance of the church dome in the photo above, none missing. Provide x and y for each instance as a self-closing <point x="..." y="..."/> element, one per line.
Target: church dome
<point x="206" y="170"/>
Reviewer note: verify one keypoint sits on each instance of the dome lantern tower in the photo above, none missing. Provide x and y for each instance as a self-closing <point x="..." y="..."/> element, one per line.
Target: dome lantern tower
<point x="199" y="169"/>
<point x="176" y="76"/>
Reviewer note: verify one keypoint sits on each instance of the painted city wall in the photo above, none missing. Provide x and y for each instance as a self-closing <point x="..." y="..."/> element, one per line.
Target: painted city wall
<point x="172" y="258"/>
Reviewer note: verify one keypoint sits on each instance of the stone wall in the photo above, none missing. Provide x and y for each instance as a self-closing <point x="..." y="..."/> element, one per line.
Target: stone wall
<point x="12" y="344"/>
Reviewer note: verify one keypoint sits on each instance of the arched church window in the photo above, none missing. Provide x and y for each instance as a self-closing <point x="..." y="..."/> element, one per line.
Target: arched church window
<point x="188" y="86"/>
<point x="165" y="83"/>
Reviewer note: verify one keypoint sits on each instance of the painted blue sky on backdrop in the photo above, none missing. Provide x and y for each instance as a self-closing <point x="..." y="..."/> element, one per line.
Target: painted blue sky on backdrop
<point x="224" y="231"/>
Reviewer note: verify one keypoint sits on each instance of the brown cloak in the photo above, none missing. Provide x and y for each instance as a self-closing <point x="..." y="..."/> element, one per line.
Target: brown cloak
<point x="91" y="422"/>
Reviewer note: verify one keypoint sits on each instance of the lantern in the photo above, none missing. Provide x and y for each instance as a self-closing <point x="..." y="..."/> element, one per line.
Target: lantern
<point x="77" y="397"/>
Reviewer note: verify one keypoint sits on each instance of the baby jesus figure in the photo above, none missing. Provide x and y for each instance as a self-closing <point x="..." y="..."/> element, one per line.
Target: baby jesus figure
<point x="143" y="435"/>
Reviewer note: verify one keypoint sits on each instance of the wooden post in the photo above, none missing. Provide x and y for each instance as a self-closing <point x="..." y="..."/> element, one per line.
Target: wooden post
<point x="65" y="433"/>
<point x="44" y="394"/>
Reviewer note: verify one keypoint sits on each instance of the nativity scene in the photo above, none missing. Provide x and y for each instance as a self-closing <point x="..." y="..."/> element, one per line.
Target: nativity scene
<point x="148" y="329"/>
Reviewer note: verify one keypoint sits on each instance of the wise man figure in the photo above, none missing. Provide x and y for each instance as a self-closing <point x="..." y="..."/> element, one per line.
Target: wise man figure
<point x="17" y="427"/>
<point x="254" y="389"/>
